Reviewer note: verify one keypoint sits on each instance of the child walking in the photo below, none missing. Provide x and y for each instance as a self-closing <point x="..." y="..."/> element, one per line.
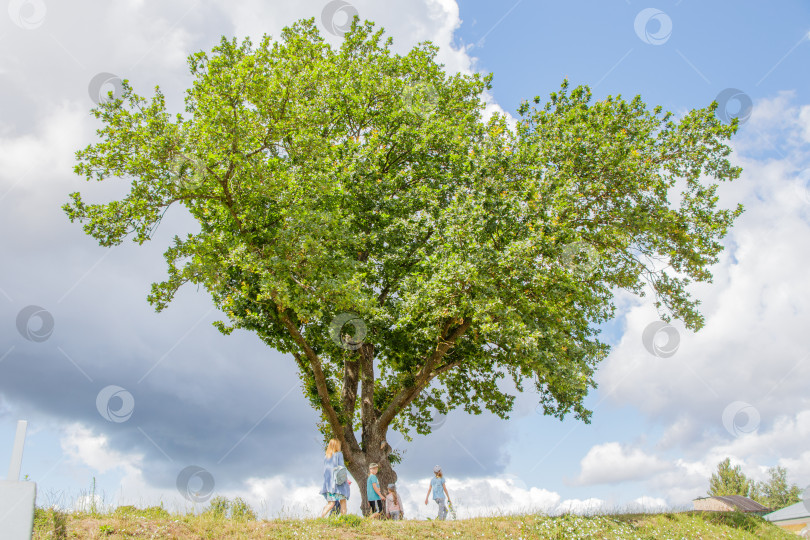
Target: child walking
<point x="393" y="504"/>
<point x="439" y="491"/>
<point x="334" y="493"/>
<point x="373" y="492"/>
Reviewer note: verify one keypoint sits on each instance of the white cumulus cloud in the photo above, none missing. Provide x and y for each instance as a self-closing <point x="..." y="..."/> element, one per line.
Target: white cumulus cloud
<point x="612" y="462"/>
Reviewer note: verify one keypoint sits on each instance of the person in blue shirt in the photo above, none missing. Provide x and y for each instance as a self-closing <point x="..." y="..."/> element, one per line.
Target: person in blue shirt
<point x="373" y="492"/>
<point x="437" y="486"/>
<point x="330" y="490"/>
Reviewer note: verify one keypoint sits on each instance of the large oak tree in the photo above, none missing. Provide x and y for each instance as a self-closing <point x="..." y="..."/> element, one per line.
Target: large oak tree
<point x="357" y="212"/>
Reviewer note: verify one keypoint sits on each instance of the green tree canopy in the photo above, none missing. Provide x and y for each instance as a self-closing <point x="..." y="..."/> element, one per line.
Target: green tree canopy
<point x="729" y="480"/>
<point x="776" y="492"/>
<point x="354" y="185"/>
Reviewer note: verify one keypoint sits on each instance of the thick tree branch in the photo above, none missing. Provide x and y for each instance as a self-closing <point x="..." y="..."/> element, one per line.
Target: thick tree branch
<point x="425" y="375"/>
<point x="367" y="391"/>
<point x="351" y="375"/>
<point x="348" y="397"/>
<point x="320" y="382"/>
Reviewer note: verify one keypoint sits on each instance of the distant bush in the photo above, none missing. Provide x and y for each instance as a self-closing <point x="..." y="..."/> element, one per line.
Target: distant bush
<point x="124" y="511"/>
<point x="218" y="507"/>
<point x="241" y="510"/>
<point x="738" y="520"/>
<point x="222" y="508"/>
<point x="152" y="512"/>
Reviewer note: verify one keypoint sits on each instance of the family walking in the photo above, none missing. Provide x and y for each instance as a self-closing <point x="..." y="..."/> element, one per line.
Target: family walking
<point x="336" y="490"/>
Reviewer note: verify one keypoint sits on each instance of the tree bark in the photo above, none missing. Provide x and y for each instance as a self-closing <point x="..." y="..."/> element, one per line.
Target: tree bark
<point x="359" y="469"/>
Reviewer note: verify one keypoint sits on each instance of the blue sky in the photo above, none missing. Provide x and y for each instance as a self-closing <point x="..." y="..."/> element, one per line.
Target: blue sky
<point x="231" y="406"/>
<point x="758" y="48"/>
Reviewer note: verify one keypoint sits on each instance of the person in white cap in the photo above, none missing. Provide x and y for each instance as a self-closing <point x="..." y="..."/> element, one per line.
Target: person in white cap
<point x="437" y="485"/>
<point x="373" y="493"/>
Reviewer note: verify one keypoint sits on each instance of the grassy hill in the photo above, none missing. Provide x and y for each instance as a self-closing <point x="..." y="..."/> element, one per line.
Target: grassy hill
<point x="130" y="523"/>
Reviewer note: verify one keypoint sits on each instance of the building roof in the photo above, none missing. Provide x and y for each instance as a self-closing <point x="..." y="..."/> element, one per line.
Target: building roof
<point x="799" y="510"/>
<point x="741" y="503"/>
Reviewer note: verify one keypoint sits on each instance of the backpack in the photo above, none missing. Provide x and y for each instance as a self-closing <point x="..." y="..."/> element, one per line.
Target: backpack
<point x="340" y="474"/>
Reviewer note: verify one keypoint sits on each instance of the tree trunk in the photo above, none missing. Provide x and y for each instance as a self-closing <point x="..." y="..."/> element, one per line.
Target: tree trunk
<point x="373" y="447"/>
<point x="359" y="469"/>
<point x="386" y="475"/>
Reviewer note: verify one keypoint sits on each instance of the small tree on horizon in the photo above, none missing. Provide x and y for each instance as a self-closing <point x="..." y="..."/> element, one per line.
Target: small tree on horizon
<point x="776" y="492"/>
<point x="356" y="188"/>
<point x="729" y="480"/>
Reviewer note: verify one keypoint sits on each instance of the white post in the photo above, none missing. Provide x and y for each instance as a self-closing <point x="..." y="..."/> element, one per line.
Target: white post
<point x="17" y="499"/>
<point x="17" y="453"/>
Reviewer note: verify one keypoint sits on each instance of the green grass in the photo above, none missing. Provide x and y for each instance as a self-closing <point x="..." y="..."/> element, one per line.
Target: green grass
<point x="128" y="522"/>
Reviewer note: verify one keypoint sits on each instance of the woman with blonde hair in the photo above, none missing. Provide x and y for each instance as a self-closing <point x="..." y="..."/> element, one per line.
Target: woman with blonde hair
<point x="335" y="482"/>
